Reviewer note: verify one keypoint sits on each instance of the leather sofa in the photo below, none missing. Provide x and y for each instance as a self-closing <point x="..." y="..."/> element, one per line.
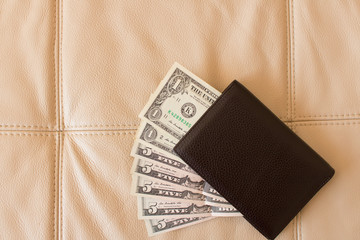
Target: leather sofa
<point x="75" y="74"/>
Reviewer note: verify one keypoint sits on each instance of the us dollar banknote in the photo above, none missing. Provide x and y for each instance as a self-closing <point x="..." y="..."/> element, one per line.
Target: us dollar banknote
<point x="157" y="226"/>
<point x="170" y="193"/>
<point x="150" y="152"/>
<point x="151" y="169"/>
<point x="168" y="168"/>
<point x="210" y="191"/>
<point x="175" y="161"/>
<point x="148" y="132"/>
<point x="215" y="201"/>
<point x="179" y="101"/>
<point x="225" y="212"/>
<point x="151" y="134"/>
<point x="151" y="208"/>
<point x="147" y="187"/>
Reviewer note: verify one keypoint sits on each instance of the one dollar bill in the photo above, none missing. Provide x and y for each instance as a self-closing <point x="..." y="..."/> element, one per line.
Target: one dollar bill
<point x="179" y="101"/>
<point x="148" y="132"/>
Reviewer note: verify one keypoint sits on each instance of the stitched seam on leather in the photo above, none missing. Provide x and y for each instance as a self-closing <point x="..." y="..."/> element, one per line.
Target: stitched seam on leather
<point x="136" y="125"/>
<point x="28" y="134"/>
<point x="55" y="167"/>
<point x="61" y="184"/>
<point x="26" y="126"/>
<point x="131" y="125"/>
<point x="287" y="58"/>
<point x="104" y="133"/>
<point x="327" y="123"/>
<point x="105" y="125"/>
<point x="14" y="125"/>
<point x="294" y="123"/>
<point x="61" y="65"/>
<point x="71" y="130"/>
<point x="102" y="130"/>
<point x="294" y="91"/>
<point x="293" y="62"/>
<point x="55" y="73"/>
<point x="59" y="106"/>
<point x="295" y="227"/>
<point x="330" y="115"/>
<point x="300" y="225"/>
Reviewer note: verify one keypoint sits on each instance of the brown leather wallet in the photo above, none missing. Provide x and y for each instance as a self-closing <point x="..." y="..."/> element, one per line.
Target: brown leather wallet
<point x="254" y="160"/>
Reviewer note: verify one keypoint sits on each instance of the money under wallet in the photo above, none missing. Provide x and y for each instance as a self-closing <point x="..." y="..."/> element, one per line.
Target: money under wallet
<point x="254" y="160"/>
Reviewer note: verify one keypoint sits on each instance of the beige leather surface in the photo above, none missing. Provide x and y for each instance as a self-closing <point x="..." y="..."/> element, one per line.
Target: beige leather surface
<point x="75" y="74"/>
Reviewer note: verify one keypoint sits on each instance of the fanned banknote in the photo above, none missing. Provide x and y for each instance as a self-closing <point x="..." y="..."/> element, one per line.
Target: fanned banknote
<point x="171" y="195"/>
<point x="179" y="101"/>
<point x="157" y="171"/>
<point x="151" y="208"/>
<point x="225" y="211"/>
<point x="158" y="208"/>
<point x="157" y="137"/>
<point x="157" y="226"/>
<point x="149" y="187"/>
<point x="214" y="201"/>
<point x="152" y="153"/>
<point x="150" y="135"/>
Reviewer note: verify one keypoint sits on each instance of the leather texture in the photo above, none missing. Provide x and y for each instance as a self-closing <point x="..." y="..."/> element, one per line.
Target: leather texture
<point x="254" y="160"/>
<point x="75" y="74"/>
